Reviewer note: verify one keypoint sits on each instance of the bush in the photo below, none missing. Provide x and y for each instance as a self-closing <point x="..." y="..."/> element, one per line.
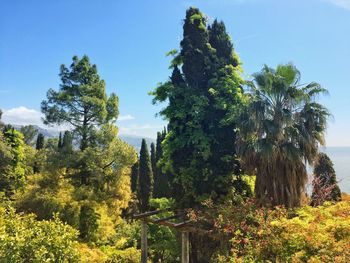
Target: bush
<point x="24" y="239"/>
<point x="256" y="234"/>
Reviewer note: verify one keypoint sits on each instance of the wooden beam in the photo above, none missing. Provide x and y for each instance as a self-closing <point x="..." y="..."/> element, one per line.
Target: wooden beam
<point x="182" y="224"/>
<point x="167" y="218"/>
<point x="150" y="213"/>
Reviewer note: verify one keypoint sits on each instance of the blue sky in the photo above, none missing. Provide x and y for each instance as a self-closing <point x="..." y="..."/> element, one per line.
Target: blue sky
<point x="128" y="41"/>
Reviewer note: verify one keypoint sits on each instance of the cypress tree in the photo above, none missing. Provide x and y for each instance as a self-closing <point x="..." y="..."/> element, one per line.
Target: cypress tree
<point x="145" y="179"/>
<point x="153" y="159"/>
<point x="67" y="142"/>
<point x="40" y="140"/>
<point x="59" y="144"/>
<point x="134" y="176"/>
<point x="157" y="173"/>
<point x="159" y="150"/>
<point x="88" y="222"/>
<point x="325" y="187"/>
<point x="205" y="97"/>
<point x="161" y="179"/>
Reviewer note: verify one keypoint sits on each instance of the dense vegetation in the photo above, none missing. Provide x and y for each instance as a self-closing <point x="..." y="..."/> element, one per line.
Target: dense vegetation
<point x="233" y="155"/>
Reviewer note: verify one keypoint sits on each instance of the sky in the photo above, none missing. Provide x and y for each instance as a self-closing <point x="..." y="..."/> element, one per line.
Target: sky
<point x="128" y="40"/>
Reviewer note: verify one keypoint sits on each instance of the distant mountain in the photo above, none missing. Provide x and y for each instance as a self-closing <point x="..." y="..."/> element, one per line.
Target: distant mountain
<point x="48" y="133"/>
<point x="134" y="141"/>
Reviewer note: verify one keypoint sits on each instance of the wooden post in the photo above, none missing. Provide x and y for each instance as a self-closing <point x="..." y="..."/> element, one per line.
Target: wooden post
<point x="143" y="241"/>
<point x="185" y="247"/>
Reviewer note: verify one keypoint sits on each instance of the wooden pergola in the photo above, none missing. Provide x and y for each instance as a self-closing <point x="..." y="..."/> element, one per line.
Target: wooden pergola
<point x="183" y="226"/>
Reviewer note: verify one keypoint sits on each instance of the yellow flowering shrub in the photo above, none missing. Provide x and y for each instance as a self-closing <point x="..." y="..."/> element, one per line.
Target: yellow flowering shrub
<point x="306" y="234"/>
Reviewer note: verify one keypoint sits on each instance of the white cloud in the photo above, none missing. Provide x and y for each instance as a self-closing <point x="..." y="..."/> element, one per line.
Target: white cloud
<point x="341" y="3"/>
<point x="125" y="117"/>
<point x="22" y="116"/>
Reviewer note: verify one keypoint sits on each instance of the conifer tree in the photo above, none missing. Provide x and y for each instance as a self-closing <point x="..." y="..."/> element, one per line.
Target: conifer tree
<point x="81" y="101"/>
<point x="40" y="140"/>
<point x="134" y="176"/>
<point x="161" y="179"/>
<point x="153" y="158"/>
<point x="157" y="171"/>
<point x="145" y="178"/>
<point x="59" y="144"/>
<point x="29" y="132"/>
<point x="12" y="166"/>
<point x="67" y="142"/>
<point x="88" y="222"/>
<point x="205" y="96"/>
<point x="325" y="187"/>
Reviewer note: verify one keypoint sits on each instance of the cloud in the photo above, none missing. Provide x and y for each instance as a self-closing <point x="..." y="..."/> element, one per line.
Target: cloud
<point x="22" y="116"/>
<point x="125" y="117"/>
<point x="341" y="3"/>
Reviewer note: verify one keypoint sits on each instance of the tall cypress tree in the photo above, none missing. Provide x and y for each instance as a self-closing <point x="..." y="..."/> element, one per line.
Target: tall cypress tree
<point x="40" y="140"/>
<point x="158" y="172"/>
<point x="205" y="96"/>
<point x="159" y="150"/>
<point x="134" y="176"/>
<point x="161" y="179"/>
<point x="153" y="158"/>
<point x="325" y="186"/>
<point x="67" y="142"/>
<point x="145" y="179"/>
<point x="59" y="144"/>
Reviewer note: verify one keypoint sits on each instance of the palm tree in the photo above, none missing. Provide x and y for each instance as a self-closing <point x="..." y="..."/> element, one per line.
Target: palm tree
<point x="280" y="132"/>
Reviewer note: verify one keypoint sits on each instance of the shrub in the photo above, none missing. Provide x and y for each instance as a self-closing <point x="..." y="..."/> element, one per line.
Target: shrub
<point x="255" y="234"/>
<point x="24" y="239"/>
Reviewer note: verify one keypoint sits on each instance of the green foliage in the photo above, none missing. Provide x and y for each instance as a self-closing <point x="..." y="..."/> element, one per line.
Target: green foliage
<point x="161" y="178"/>
<point x="29" y="132"/>
<point x="145" y="179"/>
<point x="153" y="158"/>
<point x="12" y="157"/>
<point x="67" y="142"/>
<point x="88" y="224"/>
<point x="280" y="130"/>
<point x="205" y="97"/>
<point x="40" y="141"/>
<point x="24" y="239"/>
<point x="101" y="166"/>
<point x="249" y="233"/>
<point x="107" y="191"/>
<point x="325" y="187"/>
<point x="134" y="177"/>
<point x="164" y="242"/>
<point x="81" y="101"/>
<point x="59" y="144"/>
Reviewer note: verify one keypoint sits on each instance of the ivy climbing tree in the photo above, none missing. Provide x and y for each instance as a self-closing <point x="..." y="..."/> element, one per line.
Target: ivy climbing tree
<point x="204" y="95"/>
